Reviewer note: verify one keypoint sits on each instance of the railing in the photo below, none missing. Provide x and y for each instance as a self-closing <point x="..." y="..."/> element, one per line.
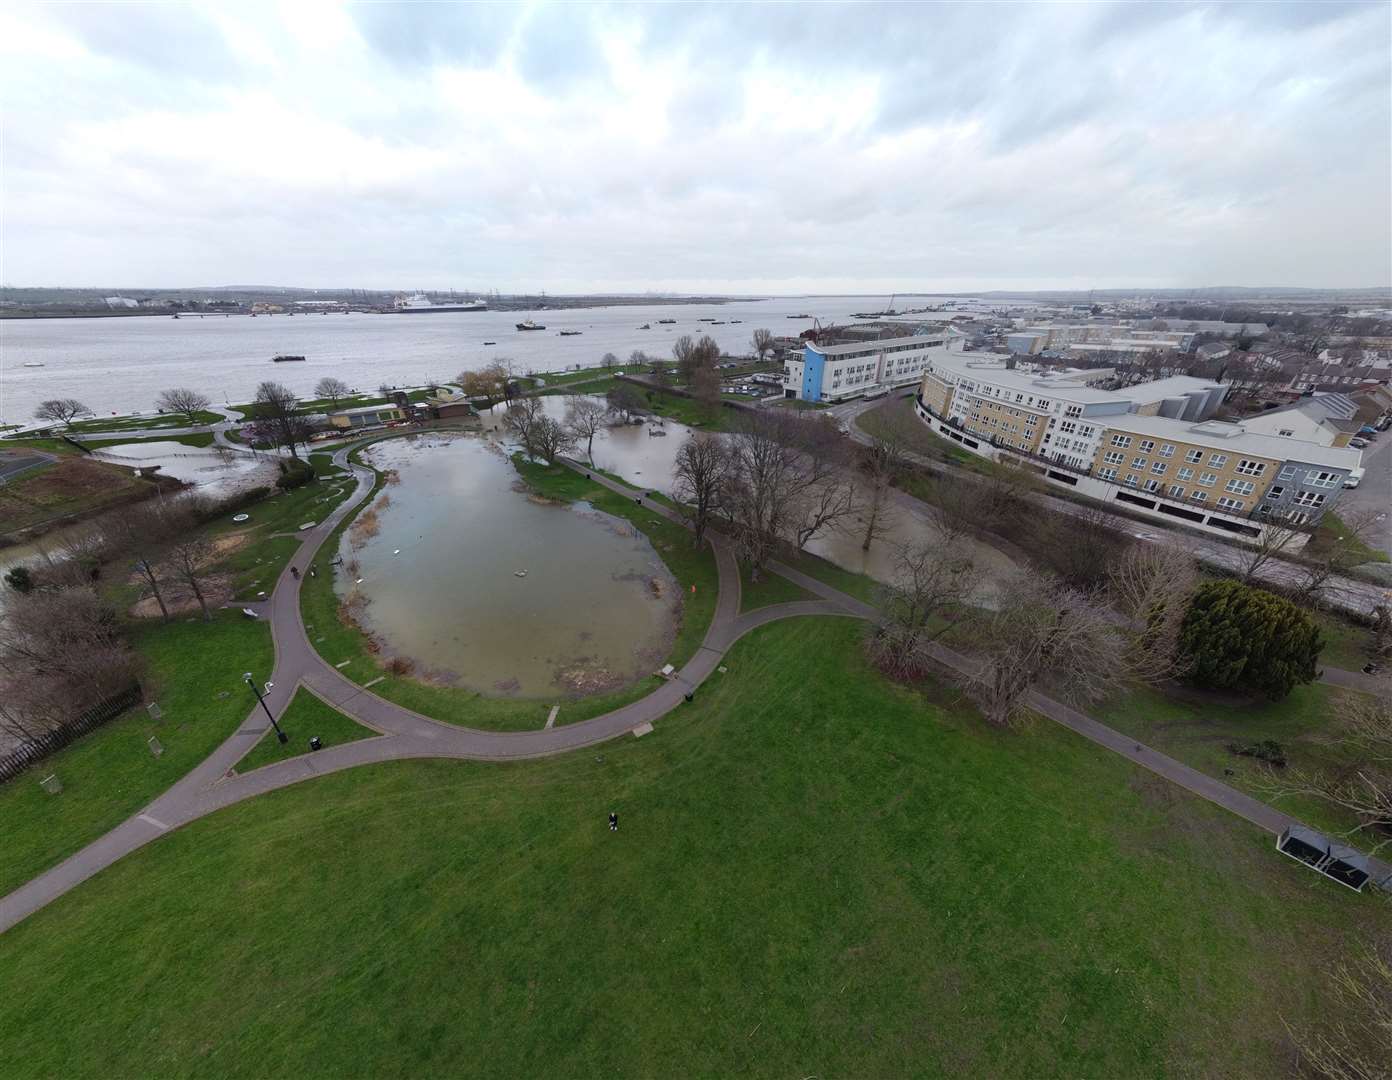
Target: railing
<point x="51" y="741"/>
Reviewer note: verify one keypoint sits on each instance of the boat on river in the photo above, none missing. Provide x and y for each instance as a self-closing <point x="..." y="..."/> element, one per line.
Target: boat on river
<point x="666" y="322"/>
<point x="287" y="359"/>
<point x="422" y="304"/>
<point x="527" y="324"/>
<point x="571" y="333"/>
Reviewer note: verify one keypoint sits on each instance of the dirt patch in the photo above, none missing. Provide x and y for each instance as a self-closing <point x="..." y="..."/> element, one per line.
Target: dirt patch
<point x="179" y="599"/>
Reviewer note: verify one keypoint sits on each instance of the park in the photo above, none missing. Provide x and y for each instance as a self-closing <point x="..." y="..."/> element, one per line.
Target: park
<point x="831" y="857"/>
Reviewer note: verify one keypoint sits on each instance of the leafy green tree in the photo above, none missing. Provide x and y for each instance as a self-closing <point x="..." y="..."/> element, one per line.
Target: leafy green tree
<point x="1236" y="636"/>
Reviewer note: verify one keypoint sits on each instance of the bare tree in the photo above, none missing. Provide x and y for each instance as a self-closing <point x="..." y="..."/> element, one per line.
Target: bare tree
<point x="63" y="410"/>
<point x="139" y="532"/>
<point x="61" y="651"/>
<point x="929" y="583"/>
<point x="521" y="422"/>
<point x="1357" y="1043"/>
<point x="700" y="481"/>
<point x="584" y="420"/>
<point x="551" y="439"/>
<point x="182" y="400"/>
<point x="608" y="361"/>
<point x="189" y="555"/>
<point x="882" y="463"/>
<point x="1322" y="564"/>
<point x="623" y="400"/>
<point x="276" y="418"/>
<point x="1277" y="535"/>
<point x="331" y="390"/>
<point x="1043" y="631"/>
<point x="693" y="354"/>
<point x="705" y="388"/>
<point x="1151" y="586"/>
<point x="762" y="343"/>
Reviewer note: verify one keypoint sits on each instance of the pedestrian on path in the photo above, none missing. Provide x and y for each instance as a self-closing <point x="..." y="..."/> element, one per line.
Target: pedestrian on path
<point x="613" y="822"/>
<point x="295" y="572"/>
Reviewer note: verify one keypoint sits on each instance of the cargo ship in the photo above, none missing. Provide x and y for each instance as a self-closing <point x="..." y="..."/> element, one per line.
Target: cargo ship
<point x="420" y="303"/>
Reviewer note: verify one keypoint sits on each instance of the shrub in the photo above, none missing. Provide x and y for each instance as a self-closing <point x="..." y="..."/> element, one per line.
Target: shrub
<point x="294" y="474"/>
<point x="1238" y="637"/>
<point x="1268" y="750"/>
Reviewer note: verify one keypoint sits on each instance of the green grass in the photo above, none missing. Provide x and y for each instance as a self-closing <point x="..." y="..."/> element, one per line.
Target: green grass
<point x="899" y="413"/>
<point x="52" y="446"/>
<point x="306" y="715"/>
<point x="686" y="410"/>
<point x="1197" y="731"/>
<point x="198" y="438"/>
<point x="1331" y="527"/>
<point x="1347" y="644"/>
<point x="319" y="608"/>
<point x="770" y="589"/>
<point x="167" y="420"/>
<point x="110" y="774"/>
<point x="861" y="586"/>
<point x="817" y="873"/>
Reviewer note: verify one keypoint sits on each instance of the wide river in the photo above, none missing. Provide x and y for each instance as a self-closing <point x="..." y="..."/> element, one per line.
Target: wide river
<point x="119" y="365"/>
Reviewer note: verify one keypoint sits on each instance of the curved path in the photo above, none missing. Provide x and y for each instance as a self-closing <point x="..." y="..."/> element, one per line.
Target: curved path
<point x="404" y="734"/>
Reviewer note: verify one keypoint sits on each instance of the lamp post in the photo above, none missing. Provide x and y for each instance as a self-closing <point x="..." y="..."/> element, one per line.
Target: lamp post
<point x="284" y="738"/>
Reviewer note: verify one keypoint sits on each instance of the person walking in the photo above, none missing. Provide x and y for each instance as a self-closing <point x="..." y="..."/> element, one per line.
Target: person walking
<point x="613" y="822"/>
<point x="295" y="572"/>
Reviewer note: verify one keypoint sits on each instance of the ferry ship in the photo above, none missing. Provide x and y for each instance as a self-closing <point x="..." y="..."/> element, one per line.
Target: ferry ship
<point x="415" y="305"/>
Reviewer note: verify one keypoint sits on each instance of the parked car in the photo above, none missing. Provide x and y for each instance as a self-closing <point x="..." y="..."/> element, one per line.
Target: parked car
<point x="1359" y="444"/>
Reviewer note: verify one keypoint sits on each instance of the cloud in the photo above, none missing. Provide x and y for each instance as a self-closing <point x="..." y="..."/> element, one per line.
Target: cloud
<point x="749" y="147"/>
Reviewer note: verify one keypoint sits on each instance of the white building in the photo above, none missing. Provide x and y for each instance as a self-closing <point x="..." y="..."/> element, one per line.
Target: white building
<point x="829" y="373"/>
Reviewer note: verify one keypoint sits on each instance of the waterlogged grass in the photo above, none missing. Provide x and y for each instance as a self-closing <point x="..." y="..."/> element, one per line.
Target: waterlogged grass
<point x="195" y="674"/>
<point x="305" y="716"/>
<point x="201" y="439"/>
<point x="338" y="642"/>
<point x="137" y="423"/>
<point x="817" y="873"/>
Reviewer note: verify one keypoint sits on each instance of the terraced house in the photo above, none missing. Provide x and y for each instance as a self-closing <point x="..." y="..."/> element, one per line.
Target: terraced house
<point x="1153" y="448"/>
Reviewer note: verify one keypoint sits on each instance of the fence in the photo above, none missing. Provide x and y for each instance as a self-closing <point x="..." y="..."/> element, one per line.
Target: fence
<point x="50" y="742"/>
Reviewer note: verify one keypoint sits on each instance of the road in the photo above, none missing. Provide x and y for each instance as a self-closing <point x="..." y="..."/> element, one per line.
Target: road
<point x="1374" y="494"/>
<point x="1347" y="594"/>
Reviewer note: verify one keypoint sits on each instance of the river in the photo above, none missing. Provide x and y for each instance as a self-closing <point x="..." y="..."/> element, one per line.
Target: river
<point x="119" y="365"/>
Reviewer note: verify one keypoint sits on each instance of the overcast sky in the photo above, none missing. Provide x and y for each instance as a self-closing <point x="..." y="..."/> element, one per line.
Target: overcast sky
<point x="746" y="149"/>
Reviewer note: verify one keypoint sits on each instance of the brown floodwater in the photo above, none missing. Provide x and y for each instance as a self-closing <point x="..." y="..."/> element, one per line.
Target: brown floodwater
<point x="481" y="585"/>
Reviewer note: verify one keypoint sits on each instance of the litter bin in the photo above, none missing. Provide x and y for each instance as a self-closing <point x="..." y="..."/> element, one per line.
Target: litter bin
<point x="314" y="743"/>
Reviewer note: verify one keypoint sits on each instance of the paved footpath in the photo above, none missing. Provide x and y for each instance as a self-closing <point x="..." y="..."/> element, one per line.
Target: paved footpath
<point x="404" y="734"/>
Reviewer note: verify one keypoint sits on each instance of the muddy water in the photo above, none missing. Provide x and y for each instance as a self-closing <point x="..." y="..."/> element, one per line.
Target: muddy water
<point x="216" y="472"/>
<point x="642" y="458"/>
<point x="596" y="608"/>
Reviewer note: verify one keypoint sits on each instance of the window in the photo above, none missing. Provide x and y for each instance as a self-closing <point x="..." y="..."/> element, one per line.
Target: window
<point x="1193" y="456"/>
<point x="1200" y="496"/>
<point x="1122" y="441"/>
<point x="1309" y="498"/>
<point x="1131" y="480"/>
<point x="1184" y="474"/>
<point x="1106" y="474"/>
<point x="1288" y="473"/>
<point x="1240" y="487"/>
<point x="1076" y="411"/>
<point x="1297" y="518"/>
<point x="1085" y="432"/>
<point x="1251" y="468"/>
<point x="1167" y="450"/>
<point x="1158" y="467"/>
<point x="1152" y="485"/>
<point x="1176" y="492"/>
<point x="1138" y="463"/>
<point x="1208" y="479"/>
<point x="1225" y="503"/>
<point x="1322" y="479"/>
<point x="1287" y="432"/>
<point x="1217" y="461"/>
<point x="1068" y="426"/>
<point x="1113" y="457"/>
<point x="1147" y="445"/>
<point x="1276" y="492"/>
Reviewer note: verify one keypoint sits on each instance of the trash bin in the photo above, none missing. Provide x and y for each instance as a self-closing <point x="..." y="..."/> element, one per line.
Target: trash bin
<point x="314" y="743"/>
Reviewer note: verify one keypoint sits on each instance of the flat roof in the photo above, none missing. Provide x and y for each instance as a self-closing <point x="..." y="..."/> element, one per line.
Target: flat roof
<point x="1147" y="392"/>
<point x="1038" y="383"/>
<point x="873" y="346"/>
<point x="1221" y="435"/>
<point x="365" y="409"/>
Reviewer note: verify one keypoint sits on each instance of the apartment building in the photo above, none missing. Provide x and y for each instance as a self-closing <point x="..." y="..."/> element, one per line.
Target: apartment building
<point x="1152" y="447"/>
<point x="829" y="373"/>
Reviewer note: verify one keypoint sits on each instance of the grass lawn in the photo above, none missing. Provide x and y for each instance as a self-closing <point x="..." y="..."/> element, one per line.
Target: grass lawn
<point x="1332" y="527"/>
<point x="686" y="410"/>
<point x="319" y="608"/>
<point x="306" y="715"/>
<point x="198" y="438"/>
<point x="68" y="486"/>
<point x="166" y="420"/>
<point x="770" y="589"/>
<point x="817" y="873"/>
<point x="109" y="774"/>
<point x="51" y="446"/>
<point x="899" y="412"/>
<point x="1198" y="732"/>
<point x="1347" y="644"/>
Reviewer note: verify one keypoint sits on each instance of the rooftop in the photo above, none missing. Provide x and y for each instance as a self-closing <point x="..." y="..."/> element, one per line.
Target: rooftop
<point x="923" y="340"/>
<point x="1222" y="435"/>
<point x="1147" y="392"/>
<point x="1066" y="385"/>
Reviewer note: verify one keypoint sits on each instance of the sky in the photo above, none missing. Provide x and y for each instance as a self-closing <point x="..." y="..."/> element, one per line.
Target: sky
<point x="746" y="149"/>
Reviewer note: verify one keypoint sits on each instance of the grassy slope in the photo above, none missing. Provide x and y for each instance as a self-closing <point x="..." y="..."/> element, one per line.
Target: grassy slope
<point x="66" y="487"/>
<point x="110" y="774"/>
<point x="1326" y="536"/>
<point x="817" y="873"/>
<point x="306" y="715"/>
<point x="319" y="607"/>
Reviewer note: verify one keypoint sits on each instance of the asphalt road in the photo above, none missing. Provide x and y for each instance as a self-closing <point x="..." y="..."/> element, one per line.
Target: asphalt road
<point x="1375" y="492"/>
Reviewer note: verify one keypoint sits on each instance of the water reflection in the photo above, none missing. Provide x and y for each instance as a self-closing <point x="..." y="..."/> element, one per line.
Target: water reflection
<point x="214" y="471"/>
<point x="482" y="585"/>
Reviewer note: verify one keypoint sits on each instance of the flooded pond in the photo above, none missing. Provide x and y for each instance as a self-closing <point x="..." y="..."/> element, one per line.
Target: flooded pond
<point x="594" y="609"/>
<point x="631" y="452"/>
<point x="212" y="470"/>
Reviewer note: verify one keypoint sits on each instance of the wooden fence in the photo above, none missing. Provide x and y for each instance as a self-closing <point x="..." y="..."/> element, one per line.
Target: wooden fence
<point x="50" y="742"/>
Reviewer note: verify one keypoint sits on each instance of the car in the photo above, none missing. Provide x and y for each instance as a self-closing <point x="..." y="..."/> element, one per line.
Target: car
<point x="1359" y="444"/>
<point x="1354" y="478"/>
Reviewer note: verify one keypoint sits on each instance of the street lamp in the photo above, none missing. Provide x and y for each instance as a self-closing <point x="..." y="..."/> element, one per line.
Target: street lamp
<point x="284" y="738"/>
